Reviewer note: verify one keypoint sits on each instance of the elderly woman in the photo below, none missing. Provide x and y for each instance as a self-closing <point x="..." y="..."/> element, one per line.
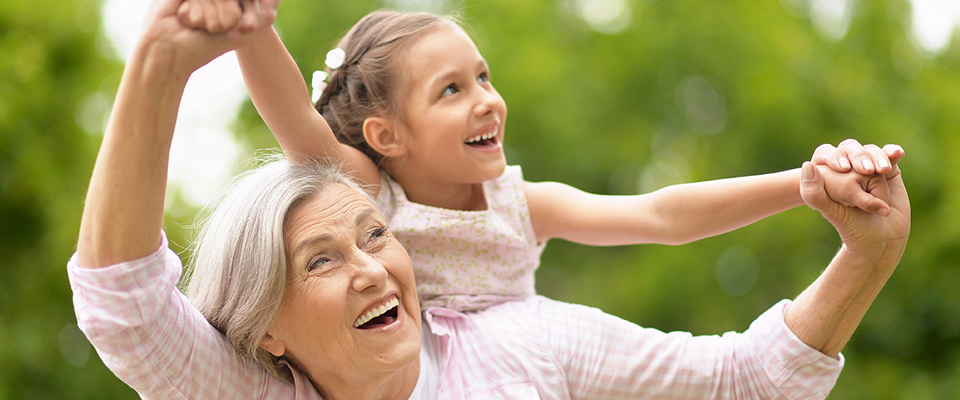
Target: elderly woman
<point x="300" y="291"/>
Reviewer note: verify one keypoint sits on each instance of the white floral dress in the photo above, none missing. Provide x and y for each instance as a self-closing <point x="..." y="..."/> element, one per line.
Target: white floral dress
<point x="467" y="260"/>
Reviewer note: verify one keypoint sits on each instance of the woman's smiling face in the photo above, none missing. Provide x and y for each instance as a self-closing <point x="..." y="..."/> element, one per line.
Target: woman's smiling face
<point x="350" y="312"/>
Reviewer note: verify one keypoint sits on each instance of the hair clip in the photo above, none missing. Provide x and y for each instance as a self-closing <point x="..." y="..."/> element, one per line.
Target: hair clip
<point x="335" y="58"/>
<point x="319" y="84"/>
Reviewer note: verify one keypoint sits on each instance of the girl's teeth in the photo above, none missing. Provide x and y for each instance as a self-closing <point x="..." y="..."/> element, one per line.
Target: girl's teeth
<point x="484" y="136"/>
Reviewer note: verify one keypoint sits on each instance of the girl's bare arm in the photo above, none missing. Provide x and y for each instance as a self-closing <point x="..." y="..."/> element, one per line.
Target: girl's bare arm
<point x="280" y="95"/>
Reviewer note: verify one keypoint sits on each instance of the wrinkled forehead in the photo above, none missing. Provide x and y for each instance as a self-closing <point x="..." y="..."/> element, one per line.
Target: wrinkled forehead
<point x="335" y="210"/>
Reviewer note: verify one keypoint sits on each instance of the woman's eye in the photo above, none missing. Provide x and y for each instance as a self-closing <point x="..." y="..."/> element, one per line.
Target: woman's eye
<point x="377" y="233"/>
<point x="374" y="242"/>
<point x="317" y="263"/>
<point x="449" y="90"/>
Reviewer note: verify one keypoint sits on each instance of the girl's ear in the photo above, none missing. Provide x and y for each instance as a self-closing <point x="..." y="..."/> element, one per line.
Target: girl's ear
<point x="383" y="138"/>
<point x="272" y="345"/>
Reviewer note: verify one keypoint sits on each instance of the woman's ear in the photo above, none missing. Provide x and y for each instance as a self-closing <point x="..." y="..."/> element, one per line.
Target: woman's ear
<point x="272" y="345"/>
<point x="383" y="138"/>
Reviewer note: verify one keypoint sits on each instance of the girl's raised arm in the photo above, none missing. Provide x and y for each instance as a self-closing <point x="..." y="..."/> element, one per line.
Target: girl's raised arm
<point x="684" y="213"/>
<point x="280" y="96"/>
<point x="673" y="215"/>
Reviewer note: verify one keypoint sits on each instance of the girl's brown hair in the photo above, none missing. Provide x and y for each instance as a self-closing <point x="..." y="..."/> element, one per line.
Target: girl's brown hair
<point x="365" y="85"/>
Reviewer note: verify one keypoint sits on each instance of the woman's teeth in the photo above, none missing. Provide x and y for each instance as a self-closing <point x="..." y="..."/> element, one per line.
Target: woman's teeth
<point x="376" y="312"/>
<point x="484" y="136"/>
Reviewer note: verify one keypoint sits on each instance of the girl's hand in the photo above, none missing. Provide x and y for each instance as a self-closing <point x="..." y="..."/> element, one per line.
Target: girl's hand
<point x="863" y="159"/>
<point x="850" y="189"/>
<point x="214" y="16"/>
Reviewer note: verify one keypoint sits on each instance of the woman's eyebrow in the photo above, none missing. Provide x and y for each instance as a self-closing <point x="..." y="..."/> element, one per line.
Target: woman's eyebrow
<point x="316" y="239"/>
<point x="328" y="237"/>
<point x="364" y="215"/>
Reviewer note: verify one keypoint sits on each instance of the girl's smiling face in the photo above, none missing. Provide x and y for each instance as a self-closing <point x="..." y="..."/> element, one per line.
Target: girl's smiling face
<point x="453" y="118"/>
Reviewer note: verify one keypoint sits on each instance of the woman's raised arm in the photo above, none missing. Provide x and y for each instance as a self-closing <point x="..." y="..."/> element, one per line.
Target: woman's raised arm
<point x="826" y="314"/>
<point x="123" y="212"/>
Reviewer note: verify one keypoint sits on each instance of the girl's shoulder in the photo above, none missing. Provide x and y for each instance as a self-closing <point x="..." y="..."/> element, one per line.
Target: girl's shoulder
<point x="507" y="189"/>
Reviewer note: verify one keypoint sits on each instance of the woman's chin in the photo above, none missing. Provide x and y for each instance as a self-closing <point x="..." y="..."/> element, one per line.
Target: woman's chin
<point x="393" y="339"/>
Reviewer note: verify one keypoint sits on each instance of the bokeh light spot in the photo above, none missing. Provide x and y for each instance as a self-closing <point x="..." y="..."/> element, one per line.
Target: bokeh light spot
<point x="737" y="270"/>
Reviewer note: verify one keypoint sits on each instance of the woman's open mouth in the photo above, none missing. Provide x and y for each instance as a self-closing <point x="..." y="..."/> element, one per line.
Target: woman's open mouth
<point x="386" y="314"/>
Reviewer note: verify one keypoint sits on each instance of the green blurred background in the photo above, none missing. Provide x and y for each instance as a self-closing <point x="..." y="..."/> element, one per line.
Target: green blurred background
<point x="611" y="96"/>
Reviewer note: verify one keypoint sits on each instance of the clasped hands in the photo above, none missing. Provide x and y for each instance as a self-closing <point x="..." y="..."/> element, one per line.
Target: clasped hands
<point x="868" y="206"/>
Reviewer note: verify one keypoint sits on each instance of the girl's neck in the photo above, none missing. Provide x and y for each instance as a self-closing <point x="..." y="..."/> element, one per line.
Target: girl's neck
<point x="458" y="196"/>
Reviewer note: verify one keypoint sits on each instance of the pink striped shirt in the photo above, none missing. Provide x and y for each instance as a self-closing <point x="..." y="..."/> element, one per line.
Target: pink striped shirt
<point x="150" y="336"/>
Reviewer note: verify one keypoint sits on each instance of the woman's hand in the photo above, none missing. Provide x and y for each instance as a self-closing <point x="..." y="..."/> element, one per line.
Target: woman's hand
<point x="213" y="15"/>
<point x="217" y="16"/>
<point x="862" y="160"/>
<point x="827" y="313"/>
<point x="860" y="230"/>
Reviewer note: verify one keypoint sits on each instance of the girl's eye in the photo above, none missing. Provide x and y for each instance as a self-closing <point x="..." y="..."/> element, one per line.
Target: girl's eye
<point x="483" y="78"/>
<point x="449" y="90"/>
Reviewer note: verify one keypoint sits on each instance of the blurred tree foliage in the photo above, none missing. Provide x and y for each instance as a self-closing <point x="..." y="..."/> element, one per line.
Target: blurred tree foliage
<point x="49" y="65"/>
<point x="688" y="91"/>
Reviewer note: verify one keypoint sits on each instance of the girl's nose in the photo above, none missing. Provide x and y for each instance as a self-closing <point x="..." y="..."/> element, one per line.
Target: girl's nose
<point x="488" y="102"/>
<point x="369" y="272"/>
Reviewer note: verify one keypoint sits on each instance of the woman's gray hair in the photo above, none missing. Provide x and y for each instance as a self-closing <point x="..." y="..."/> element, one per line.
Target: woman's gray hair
<point x="238" y="272"/>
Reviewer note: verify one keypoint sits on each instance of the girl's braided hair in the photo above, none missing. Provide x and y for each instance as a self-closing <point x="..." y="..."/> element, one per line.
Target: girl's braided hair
<point x="364" y="85"/>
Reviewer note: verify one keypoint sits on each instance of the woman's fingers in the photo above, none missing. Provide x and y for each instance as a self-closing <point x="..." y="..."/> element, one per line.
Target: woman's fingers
<point x="811" y="189"/>
<point x="252" y="16"/>
<point x="229" y="13"/>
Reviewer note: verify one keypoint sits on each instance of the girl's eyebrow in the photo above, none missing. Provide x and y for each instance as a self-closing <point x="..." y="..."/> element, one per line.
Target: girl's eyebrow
<point x="448" y="75"/>
<point x="441" y="79"/>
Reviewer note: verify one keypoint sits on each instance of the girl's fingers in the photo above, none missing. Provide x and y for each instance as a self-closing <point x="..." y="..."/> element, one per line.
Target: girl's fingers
<point x="826" y="154"/>
<point x="860" y="159"/>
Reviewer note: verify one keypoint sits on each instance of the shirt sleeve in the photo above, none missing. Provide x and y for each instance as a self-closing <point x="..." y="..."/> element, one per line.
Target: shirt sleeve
<point x="147" y="332"/>
<point x="604" y="356"/>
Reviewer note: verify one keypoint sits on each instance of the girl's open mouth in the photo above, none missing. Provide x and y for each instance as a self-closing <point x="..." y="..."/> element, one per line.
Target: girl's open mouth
<point x="484" y="140"/>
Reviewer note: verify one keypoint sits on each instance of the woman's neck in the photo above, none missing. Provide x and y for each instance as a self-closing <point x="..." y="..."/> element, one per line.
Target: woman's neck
<point x="398" y="385"/>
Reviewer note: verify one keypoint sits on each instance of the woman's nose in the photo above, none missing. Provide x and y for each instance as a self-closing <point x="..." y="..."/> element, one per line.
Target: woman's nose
<point x="369" y="273"/>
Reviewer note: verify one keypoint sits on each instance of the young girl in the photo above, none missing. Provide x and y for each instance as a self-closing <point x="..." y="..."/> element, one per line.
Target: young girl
<point x="410" y="110"/>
